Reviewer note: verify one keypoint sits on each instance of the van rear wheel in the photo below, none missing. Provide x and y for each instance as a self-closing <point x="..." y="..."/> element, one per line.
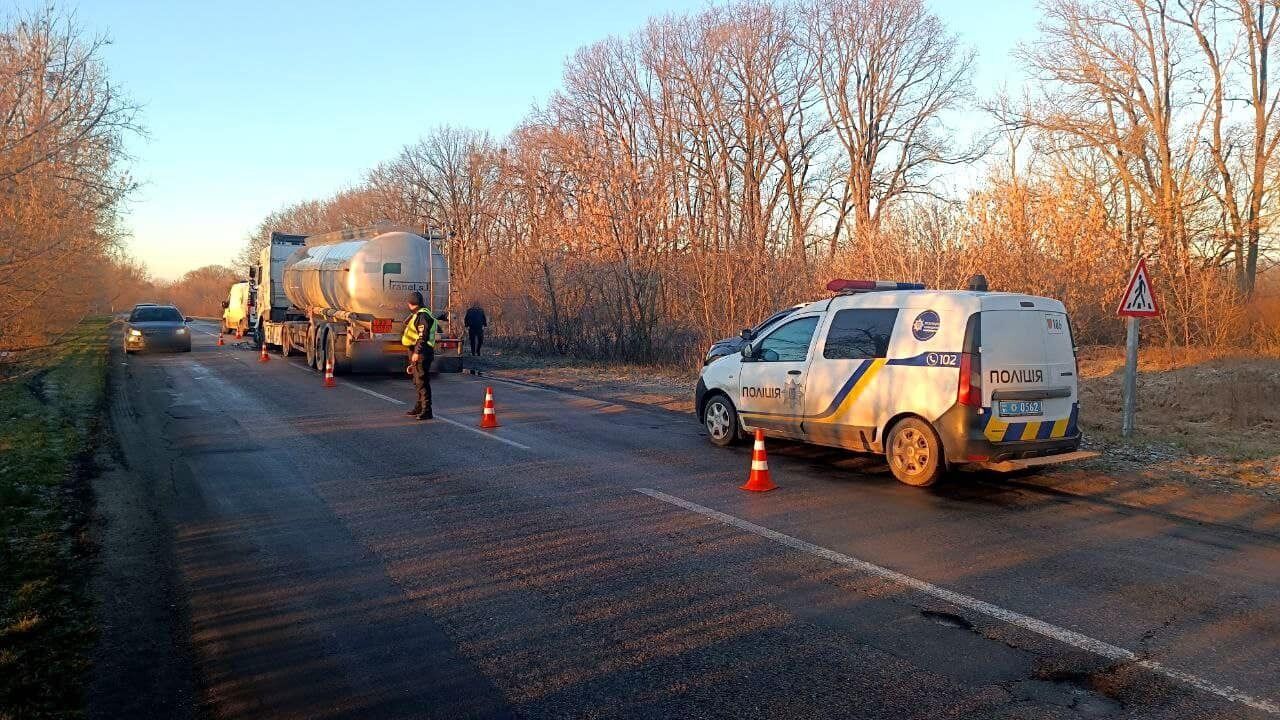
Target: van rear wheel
<point x="914" y="453"/>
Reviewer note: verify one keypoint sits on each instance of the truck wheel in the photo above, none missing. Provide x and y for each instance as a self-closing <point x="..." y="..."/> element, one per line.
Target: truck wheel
<point x="914" y="453"/>
<point x="331" y="351"/>
<point x="314" y="361"/>
<point x="319" y="352"/>
<point x="721" y="420"/>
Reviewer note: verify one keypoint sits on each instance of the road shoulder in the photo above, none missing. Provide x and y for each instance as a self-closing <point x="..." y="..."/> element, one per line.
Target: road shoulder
<point x="142" y="664"/>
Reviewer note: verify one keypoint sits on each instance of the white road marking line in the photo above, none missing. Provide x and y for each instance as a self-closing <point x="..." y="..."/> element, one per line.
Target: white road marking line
<point x="572" y="395"/>
<point x="378" y="395"/>
<point x="301" y="367"/>
<point x="438" y="416"/>
<point x="553" y="391"/>
<point x="482" y="433"/>
<point x="1040" y="627"/>
<point x="525" y="385"/>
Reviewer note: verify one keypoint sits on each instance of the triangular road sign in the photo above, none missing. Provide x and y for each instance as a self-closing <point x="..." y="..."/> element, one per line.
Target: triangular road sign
<point x="1139" y="296"/>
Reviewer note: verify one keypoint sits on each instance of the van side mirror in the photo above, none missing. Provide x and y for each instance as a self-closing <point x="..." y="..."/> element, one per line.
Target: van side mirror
<point x="188" y="318"/>
<point x="748" y="352"/>
<point x="253" y="273"/>
<point x="226" y="304"/>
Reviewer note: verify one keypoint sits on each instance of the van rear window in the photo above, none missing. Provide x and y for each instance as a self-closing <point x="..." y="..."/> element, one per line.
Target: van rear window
<point x="860" y="334"/>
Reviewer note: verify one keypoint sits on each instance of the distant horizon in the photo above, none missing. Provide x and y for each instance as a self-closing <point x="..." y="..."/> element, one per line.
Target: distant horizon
<point x="238" y="127"/>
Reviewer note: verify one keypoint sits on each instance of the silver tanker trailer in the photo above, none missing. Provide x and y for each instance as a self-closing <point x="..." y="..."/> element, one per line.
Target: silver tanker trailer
<point x="342" y="295"/>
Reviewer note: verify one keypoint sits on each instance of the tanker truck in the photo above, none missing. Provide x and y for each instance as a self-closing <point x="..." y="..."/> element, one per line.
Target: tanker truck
<point x="342" y="296"/>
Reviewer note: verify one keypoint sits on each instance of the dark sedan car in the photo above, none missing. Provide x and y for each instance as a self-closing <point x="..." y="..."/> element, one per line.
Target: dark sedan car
<point x="731" y="345"/>
<point x="156" y="327"/>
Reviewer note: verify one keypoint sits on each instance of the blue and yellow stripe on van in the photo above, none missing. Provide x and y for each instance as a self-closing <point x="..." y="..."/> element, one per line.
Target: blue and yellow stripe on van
<point x="997" y="430"/>
<point x="852" y="388"/>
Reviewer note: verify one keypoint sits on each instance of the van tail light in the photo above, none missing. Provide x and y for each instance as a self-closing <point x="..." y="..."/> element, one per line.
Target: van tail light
<point x="969" y="391"/>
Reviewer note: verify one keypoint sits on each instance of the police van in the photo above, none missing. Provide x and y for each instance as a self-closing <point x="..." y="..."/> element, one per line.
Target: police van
<point x="932" y="379"/>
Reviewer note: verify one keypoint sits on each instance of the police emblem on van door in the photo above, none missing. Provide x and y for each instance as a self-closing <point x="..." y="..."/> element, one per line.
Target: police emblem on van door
<point x="926" y="325"/>
<point x="793" y="396"/>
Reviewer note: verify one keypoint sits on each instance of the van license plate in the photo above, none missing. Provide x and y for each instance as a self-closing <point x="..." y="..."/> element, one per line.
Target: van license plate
<point x="1021" y="408"/>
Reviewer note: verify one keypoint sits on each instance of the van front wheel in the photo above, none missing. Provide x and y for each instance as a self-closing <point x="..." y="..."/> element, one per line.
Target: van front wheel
<point x="721" y="421"/>
<point x="914" y="453"/>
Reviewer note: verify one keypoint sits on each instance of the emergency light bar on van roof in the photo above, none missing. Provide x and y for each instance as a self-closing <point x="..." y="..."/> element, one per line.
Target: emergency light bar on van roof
<point x="845" y="287"/>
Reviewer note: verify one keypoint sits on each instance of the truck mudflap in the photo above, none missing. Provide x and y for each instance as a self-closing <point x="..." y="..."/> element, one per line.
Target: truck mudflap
<point x="447" y="364"/>
<point x="448" y="357"/>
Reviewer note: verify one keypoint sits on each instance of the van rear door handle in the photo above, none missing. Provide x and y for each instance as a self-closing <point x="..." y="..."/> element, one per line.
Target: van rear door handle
<point x="794" y="372"/>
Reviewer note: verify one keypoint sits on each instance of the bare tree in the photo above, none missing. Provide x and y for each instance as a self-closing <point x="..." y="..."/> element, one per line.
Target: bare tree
<point x="62" y="180"/>
<point x="1259" y="29"/>
<point x="889" y="72"/>
<point x="689" y="178"/>
<point x="1235" y="37"/>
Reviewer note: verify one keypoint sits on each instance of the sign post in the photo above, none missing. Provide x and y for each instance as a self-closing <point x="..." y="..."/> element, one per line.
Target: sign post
<point x="1139" y="301"/>
<point x="1130" y="375"/>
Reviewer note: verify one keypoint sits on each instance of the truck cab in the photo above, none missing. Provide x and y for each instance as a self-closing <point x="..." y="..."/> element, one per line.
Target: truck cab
<point x="933" y="379"/>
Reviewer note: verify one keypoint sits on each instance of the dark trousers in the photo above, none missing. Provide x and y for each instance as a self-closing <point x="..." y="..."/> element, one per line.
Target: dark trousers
<point x="476" y="335"/>
<point x="422" y="382"/>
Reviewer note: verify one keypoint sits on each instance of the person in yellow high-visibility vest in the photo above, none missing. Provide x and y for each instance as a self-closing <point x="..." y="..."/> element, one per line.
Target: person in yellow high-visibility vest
<point x="420" y="337"/>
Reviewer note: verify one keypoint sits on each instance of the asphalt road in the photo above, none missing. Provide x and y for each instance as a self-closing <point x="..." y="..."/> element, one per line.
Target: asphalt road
<point x="330" y="557"/>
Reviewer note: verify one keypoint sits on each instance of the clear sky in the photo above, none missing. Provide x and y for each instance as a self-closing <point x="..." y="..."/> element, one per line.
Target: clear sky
<point x="252" y="105"/>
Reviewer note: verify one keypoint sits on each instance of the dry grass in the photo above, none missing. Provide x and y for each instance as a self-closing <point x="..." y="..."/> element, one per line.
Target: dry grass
<point x="1207" y="402"/>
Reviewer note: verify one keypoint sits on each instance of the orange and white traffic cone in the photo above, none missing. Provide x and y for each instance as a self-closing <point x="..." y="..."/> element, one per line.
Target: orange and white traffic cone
<point x="239" y="334"/>
<point x="759" y="480"/>
<point x="328" y="374"/>
<point x="220" y="343"/>
<point x="263" y="357"/>
<point x="489" y="419"/>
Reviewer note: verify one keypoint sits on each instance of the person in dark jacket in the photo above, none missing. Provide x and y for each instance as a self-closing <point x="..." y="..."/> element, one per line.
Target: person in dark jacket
<point x="419" y="336"/>
<point x="476" y="322"/>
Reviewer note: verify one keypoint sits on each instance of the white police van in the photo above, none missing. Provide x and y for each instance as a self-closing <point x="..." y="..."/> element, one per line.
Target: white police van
<point x="933" y="379"/>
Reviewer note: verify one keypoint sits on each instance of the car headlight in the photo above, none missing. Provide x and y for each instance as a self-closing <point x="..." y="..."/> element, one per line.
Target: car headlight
<point x="182" y="331"/>
<point x="135" y="333"/>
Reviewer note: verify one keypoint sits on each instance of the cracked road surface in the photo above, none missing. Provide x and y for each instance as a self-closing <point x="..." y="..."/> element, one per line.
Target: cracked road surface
<point x="334" y="558"/>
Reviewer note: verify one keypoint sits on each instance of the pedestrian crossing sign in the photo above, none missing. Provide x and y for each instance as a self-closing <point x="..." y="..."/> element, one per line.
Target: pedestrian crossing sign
<point x="1139" y="296"/>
